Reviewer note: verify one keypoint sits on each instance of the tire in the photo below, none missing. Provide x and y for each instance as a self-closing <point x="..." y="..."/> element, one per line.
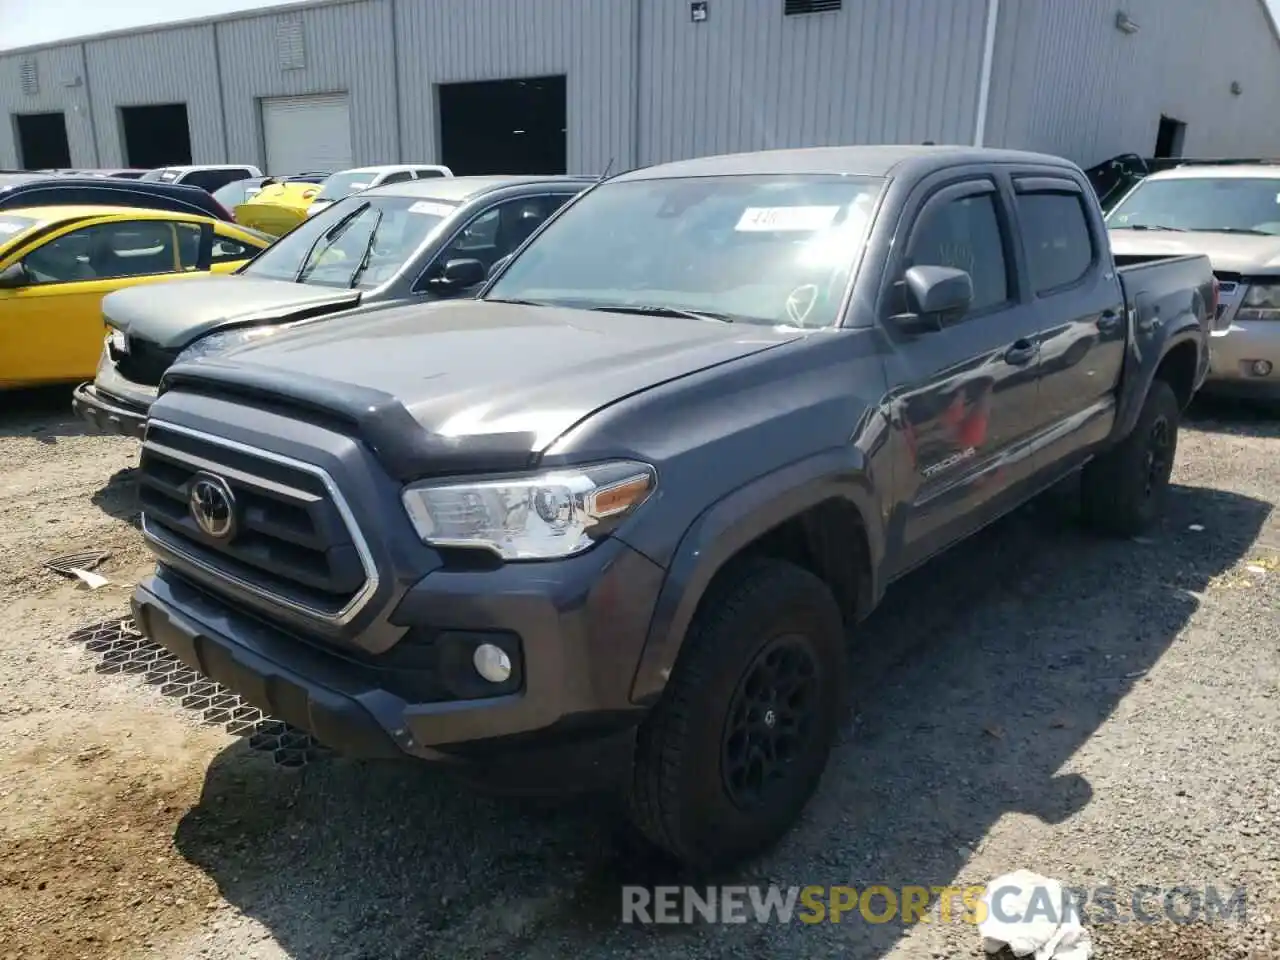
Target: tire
<point x="1124" y="491"/>
<point x="691" y="792"/>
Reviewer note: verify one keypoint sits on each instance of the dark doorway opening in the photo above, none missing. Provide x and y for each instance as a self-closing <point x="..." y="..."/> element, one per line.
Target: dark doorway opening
<point x="504" y="126"/>
<point x="1170" y="137"/>
<point x="157" y="136"/>
<point x="42" y="141"/>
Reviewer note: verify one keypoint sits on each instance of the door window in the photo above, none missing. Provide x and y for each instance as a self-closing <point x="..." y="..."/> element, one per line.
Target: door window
<point x="103" y="252"/>
<point x="965" y="234"/>
<point x="398" y="176"/>
<point x="424" y="173"/>
<point x="1055" y="232"/>
<point x="189" y="237"/>
<point x="496" y="232"/>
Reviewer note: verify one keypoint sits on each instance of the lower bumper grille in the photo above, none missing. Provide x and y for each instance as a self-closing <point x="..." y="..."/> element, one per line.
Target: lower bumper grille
<point x="263" y="523"/>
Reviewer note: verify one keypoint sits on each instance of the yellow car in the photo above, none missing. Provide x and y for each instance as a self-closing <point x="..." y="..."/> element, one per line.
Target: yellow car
<point x="57" y="263"/>
<point x="278" y="207"/>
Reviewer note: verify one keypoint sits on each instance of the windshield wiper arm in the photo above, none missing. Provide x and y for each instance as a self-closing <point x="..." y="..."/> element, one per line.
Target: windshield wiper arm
<point x="330" y="235"/>
<point x="1150" y="226"/>
<point x="1244" y="230"/>
<point x="368" y="251"/>
<point x="653" y="310"/>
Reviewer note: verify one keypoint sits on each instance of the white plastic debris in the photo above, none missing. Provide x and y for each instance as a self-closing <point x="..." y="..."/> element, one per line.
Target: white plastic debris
<point x="79" y="565"/>
<point x="1196" y="528"/>
<point x="1034" y="917"/>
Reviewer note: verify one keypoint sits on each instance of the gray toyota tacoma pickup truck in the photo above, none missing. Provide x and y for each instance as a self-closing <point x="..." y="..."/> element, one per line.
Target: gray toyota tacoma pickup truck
<point x="614" y="521"/>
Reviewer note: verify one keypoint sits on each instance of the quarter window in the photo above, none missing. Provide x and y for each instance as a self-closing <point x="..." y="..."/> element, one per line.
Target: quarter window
<point x="226" y="250"/>
<point x="965" y="234"/>
<point x="1055" y="231"/>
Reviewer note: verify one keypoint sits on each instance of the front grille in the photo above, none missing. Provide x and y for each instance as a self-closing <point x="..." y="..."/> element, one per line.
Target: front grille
<point x="292" y="543"/>
<point x="145" y="362"/>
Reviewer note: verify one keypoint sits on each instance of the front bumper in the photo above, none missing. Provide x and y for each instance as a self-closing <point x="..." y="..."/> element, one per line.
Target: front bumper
<point x="109" y="415"/>
<point x="1233" y="353"/>
<point x="570" y="723"/>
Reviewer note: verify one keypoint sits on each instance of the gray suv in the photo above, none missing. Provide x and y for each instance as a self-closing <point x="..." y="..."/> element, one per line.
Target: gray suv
<point x="1232" y="215"/>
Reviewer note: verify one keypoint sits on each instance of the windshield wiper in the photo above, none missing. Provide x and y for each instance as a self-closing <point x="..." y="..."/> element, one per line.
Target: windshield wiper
<point x="330" y="235"/>
<point x="653" y="310"/>
<point x="517" y="300"/>
<point x="1244" y="230"/>
<point x="368" y="251"/>
<point x="1150" y="226"/>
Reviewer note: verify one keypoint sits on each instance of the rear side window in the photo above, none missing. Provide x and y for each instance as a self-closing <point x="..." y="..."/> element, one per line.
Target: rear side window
<point x="1055" y="233"/>
<point x="964" y="234"/>
<point x="398" y="176"/>
<point x="424" y="174"/>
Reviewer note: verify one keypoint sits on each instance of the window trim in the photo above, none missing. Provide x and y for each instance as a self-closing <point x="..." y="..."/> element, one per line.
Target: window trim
<point x="418" y="287"/>
<point x="1055" y="186"/>
<point x="983" y="184"/>
<point x="173" y="270"/>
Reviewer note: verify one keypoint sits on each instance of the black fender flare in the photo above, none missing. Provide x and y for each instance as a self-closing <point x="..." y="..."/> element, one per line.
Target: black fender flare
<point x="728" y="525"/>
<point x="1140" y="373"/>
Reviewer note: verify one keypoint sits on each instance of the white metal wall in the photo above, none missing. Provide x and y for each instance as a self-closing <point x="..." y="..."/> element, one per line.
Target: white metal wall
<point x="646" y="84"/>
<point x="1071" y="83"/>
<point x="169" y="66"/>
<point x="749" y="78"/>
<point x="591" y="41"/>
<point x="346" y="48"/>
<point x="60" y="85"/>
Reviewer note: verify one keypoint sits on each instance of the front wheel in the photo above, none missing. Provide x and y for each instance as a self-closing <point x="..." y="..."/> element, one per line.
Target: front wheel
<point x="1124" y="490"/>
<point x="735" y="748"/>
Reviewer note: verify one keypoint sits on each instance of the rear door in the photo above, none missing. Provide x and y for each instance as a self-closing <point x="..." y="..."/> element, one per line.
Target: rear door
<point x="971" y="396"/>
<point x="1078" y="301"/>
<point x="51" y="328"/>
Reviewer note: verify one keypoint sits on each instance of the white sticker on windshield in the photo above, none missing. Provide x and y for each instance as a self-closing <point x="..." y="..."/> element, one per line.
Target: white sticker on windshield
<point x="786" y="218"/>
<point x="358" y="186"/>
<point x="435" y="209"/>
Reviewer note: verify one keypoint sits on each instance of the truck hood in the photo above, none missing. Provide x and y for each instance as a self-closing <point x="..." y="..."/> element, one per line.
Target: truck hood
<point x="171" y="315"/>
<point x="1229" y="252"/>
<point x="471" y="384"/>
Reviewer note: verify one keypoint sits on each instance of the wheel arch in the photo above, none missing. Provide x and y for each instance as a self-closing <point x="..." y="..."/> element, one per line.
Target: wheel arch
<point x="818" y="513"/>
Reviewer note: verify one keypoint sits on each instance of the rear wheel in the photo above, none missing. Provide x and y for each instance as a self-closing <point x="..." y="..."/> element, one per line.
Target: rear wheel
<point x="738" y="743"/>
<point x="1124" y="491"/>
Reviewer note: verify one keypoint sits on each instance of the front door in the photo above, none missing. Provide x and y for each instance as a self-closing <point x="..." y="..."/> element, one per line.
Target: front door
<point x="51" y="328"/>
<point x="971" y="394"/>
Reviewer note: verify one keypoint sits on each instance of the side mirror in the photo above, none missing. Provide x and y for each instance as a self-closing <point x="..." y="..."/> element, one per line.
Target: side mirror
<point x="462" y="273"/>
<point x="935" y="295"/>
<point x="14" y="275"/>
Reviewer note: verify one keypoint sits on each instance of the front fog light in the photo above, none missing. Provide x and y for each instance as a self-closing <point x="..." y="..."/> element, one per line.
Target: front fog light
<point x="492" y="663"/>
<point x="1261" y="368"/>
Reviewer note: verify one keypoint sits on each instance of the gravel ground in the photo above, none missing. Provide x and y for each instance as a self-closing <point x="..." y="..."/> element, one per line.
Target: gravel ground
<point x="1103" y="713"/>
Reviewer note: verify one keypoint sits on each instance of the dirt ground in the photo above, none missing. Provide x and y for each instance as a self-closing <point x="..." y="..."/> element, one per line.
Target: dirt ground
<point x="1103" y="713"/>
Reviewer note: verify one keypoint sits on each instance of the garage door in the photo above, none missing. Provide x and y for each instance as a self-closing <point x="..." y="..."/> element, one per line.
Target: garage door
<point x="306" y="133"/>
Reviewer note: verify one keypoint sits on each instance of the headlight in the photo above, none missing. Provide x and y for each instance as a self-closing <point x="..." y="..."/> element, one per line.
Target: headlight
<point x="533" y="517"/>
<point x="219" y="342"/>
<point x="1261" y="302"/>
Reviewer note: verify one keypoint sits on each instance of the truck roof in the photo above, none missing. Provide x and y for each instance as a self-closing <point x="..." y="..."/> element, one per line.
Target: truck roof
<point x="462" y="188"/>
<point x="872" y="161"/>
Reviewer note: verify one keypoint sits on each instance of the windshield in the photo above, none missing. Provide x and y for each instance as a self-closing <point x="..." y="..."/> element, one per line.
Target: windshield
<point x="1216" y="204"/>
<point x="344" y="184"/>
<point x="360" y="242"/>
<point x="765" y="249"/>
<point x="233" y="193"/>
<point x="11" y="226"/>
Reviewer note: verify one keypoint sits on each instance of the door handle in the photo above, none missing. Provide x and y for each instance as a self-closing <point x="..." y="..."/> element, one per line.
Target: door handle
<point x="1109" y="322"/>
<point x="1021" y="353"/>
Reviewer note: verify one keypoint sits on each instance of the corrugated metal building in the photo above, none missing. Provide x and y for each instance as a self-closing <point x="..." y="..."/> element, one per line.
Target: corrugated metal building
<point x="654" y="80"/>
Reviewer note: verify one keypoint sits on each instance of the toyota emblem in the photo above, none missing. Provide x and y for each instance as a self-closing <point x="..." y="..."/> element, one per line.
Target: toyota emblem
<point x="212" y="506"/>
